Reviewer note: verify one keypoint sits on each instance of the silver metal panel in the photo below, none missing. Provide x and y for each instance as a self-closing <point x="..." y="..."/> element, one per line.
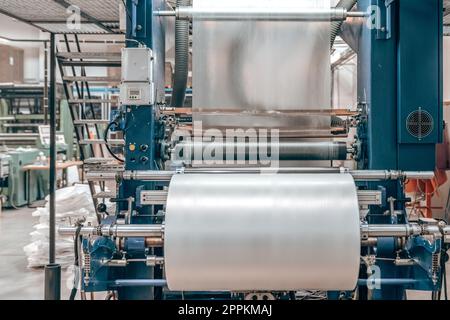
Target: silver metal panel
<point x="137" y="65"/>
<point x="137" y="87"/>
<point x="369" y="197"/>
<point x="262" y="232"/>
<point x="260" y="66"/>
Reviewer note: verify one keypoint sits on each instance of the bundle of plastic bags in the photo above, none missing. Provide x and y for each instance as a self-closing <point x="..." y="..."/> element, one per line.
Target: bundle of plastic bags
<point x="72" y="204"/>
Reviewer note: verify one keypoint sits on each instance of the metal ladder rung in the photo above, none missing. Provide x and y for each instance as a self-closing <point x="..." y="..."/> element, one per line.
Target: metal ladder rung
<point x="90" y="121"/>
<point x="20" y="125"/>
<point x="91" y="79"/>
<point x="118" y="142"/>
<point x="104" y="195"/>
<point x="91" y="63"/>
<point x="97" y="160"/>
<point x="77" y="101"/>
<point x="90" y="55"/>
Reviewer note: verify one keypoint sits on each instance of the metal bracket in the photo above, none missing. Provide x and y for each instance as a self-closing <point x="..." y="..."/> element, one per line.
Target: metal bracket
<point x="384" y="26"/>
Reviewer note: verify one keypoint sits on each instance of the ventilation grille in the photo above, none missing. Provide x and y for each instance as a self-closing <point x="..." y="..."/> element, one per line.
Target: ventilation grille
<point x="419" y="124"/>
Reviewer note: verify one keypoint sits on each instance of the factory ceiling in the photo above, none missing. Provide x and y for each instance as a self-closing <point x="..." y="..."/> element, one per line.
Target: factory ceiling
<point x="97" y="16"/>
<point x="447" y="12"/>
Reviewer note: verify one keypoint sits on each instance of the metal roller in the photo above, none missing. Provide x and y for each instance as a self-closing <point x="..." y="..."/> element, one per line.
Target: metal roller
<point x="376" y="175"/>
<point x="133" y="231"/>
<point x="287" y="150"/>
<point x="390" y="230"/>
<point x="358" y="175"/>
<point x="260" y="13"/>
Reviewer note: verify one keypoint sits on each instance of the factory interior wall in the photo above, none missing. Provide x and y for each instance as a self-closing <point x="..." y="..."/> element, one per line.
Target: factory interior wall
<point x="345" y="85"/>
<point x="440" y="198"/>
<point x="33" y="52"/>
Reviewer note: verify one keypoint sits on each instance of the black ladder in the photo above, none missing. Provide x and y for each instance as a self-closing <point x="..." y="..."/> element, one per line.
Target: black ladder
<point x="90" y="114"/>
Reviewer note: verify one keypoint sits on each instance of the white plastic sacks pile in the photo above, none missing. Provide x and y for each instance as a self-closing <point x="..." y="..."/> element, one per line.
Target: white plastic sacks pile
<point x="72" y="203"/>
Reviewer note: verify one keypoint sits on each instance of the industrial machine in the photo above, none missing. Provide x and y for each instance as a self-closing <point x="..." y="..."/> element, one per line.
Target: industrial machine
<point x="18" y="186"/>
<point x="15" y="187"/>
<point x="227" y="219"/>
<point x="24" y="136"/>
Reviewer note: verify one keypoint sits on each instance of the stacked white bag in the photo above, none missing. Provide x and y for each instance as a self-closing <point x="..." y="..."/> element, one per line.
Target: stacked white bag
<point x="72" y="203"/>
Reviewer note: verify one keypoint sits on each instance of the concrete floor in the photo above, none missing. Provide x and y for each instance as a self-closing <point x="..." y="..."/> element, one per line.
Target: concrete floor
<point x="18" y="282"/>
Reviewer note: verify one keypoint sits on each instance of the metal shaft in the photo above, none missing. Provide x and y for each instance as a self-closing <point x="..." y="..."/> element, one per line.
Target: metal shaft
<point x="283" y="151"/>
<point x="140" y="283"/>
<point x="157" y="230"/>
<point x="377" y="175"/>
<point x="261" y="13"/>
<point x="127" y="231"/>
<point x="358" y="175"/>
<point x="390" y="230"/>
<point x="150" y="175"/>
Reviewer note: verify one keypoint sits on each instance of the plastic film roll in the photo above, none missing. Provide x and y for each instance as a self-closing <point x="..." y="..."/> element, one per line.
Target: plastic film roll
<point x="262" y="232"/>
<point x="260" y="66"/>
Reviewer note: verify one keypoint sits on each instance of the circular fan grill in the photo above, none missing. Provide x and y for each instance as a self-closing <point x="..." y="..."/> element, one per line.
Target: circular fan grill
<point x="419" y="124"/>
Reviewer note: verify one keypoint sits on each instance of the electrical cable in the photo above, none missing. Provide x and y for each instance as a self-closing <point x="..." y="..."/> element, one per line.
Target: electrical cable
<point x="106" y="141"/>
<point x="444" y="273"/>
<point x="73" y="292"/>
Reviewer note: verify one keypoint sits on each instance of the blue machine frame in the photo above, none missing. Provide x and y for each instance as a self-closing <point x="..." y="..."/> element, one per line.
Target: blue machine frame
<point x="399" y="72"/>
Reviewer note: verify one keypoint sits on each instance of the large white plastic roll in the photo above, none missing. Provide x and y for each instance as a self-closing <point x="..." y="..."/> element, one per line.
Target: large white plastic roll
<point x="241" y="232"/>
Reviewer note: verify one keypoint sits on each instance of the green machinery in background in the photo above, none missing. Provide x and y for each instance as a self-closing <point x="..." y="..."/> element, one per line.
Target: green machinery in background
<point x="24" y="139"/>
<point x="14" y="183"/>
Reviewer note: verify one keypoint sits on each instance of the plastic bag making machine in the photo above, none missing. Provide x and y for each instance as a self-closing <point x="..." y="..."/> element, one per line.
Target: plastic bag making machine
<point x="203" y="217"/>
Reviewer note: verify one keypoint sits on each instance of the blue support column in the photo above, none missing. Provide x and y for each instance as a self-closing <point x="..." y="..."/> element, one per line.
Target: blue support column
<point x="399" y="71"/>
<point x="140" y="154"/>
<point x="420" y="80"/>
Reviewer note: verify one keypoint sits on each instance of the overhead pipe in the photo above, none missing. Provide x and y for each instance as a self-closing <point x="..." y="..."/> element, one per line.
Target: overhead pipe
<point x="259" y="14"/>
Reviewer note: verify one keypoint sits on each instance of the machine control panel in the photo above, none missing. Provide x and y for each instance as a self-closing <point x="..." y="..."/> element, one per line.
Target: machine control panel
<point x="137" y="87"/>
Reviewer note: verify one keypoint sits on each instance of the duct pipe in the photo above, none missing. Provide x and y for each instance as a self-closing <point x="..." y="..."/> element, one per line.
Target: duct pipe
<point x="336" y="25"/>
<point x="181" y="59"/>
